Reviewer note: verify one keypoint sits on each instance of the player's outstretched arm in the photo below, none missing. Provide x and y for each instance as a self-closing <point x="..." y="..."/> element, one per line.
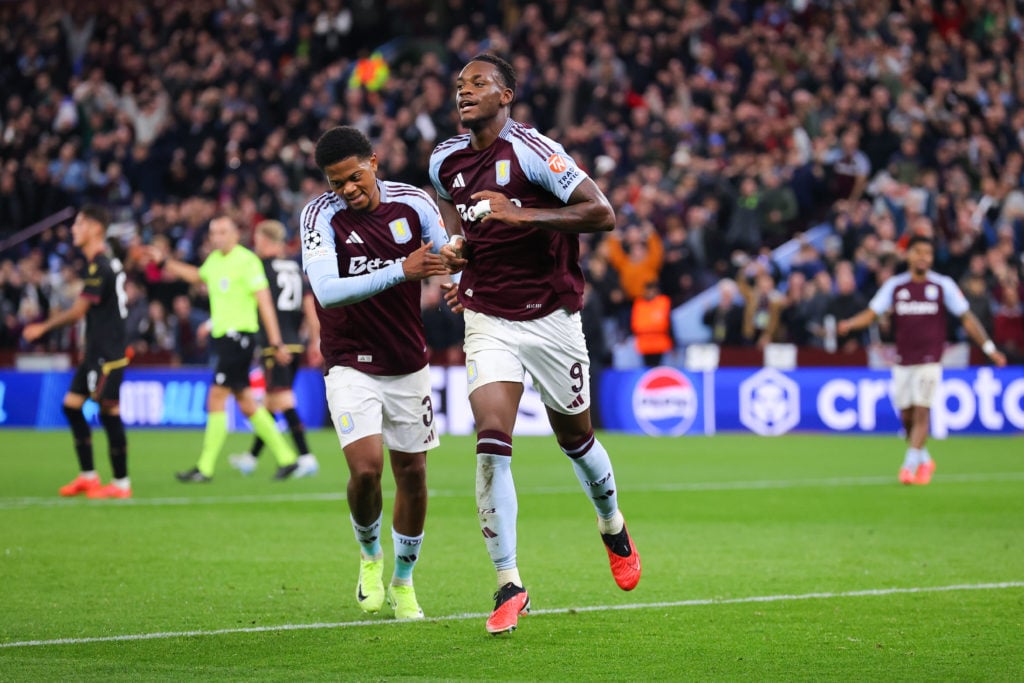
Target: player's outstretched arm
<point x="587" y="210"/>
<point x="173" y="267"/>
<point x="976" y="332"/>
<point x="77" y="311"/>
<point x="857" y="322"/>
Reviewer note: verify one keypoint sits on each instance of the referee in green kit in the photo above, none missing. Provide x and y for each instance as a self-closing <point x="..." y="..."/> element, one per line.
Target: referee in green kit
<point x="238" y="289"/>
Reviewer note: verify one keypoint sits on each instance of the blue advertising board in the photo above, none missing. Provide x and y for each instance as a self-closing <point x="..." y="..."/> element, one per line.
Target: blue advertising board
<point x="668" y="402"/>
<point x="660" y="401"/>
<point x="150" y="397"/>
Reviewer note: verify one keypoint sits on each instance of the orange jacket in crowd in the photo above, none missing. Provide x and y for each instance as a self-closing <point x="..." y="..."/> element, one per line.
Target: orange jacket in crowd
<point x="633" y="274"/>
<point x="651" y="324"/>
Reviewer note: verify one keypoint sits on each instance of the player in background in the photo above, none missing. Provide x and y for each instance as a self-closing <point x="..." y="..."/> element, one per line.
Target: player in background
<point x="239" y="298"/>
<point x="522" y="292"/>
<point x="104" y="305"/>
<point x="918" y="300"/>
<point x="293" y="301"/>
<point x="366" y="244"/>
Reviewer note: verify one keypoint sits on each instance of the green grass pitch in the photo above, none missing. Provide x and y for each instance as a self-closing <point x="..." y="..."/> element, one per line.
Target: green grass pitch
<point x="794" y="558"/>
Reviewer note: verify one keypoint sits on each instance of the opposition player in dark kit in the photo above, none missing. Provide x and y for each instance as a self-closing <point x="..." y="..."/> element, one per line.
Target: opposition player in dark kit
<point x="521" y="202"/>
<point x="918" y="300"/>
<point x="103" y="303"/>
<point x="366" y="244"/>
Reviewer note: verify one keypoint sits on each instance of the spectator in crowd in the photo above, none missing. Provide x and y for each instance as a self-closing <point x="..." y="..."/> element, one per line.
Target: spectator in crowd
<point x="1008" y="324"/>
<point x="138" y="315"/>
<point x="156" y="334"/>
<point x="678" y="268"/>
<point x="190" y="332"/>
<point x="762" y="304"/>
<point x="652" y="325"/>
<point x="979" y="300"/>
<point x="845" y="303"/>
<point x="637" y="257"/>
<point x="725" y="318"/>
<point x="778" y="208"/>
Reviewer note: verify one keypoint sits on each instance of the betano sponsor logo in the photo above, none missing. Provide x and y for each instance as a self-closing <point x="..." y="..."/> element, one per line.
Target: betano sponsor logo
<point x="917" y="307"/>
<point x="359" y="265"/>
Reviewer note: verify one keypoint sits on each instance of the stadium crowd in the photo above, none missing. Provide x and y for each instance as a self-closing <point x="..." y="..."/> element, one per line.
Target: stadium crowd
<point x="718" y="129"/>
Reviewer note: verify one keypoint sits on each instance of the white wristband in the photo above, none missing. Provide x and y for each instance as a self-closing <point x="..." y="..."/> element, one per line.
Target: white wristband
<point x="479" y="210"/>
<point x="454" y="241"/>
<point x="989" y="347"/>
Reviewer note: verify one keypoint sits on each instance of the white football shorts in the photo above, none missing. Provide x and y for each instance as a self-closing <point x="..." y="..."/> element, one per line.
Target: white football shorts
<point x="551" y="349"/>
<point x="397" y="407"/>
<point x="915" y="385"/>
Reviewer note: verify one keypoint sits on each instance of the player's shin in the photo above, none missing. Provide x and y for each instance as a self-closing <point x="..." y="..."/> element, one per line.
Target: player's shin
<point x="213" y="439"/>
<point x="593" y="469"/>
<point x="82" y="436"/>
<point x="497" y="507"/>
<point x="114" y="427"/>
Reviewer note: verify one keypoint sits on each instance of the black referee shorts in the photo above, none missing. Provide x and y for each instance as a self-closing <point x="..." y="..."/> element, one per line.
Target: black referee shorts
<point x="233" y="357"/>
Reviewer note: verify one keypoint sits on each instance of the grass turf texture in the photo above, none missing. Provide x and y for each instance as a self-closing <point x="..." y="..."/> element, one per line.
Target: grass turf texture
<point x="716" y="519"/>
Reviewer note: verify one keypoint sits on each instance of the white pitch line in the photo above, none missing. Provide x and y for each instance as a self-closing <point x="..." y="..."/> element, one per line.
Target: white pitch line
<point x="832" y="482"/>
<point x="874" y="592"/>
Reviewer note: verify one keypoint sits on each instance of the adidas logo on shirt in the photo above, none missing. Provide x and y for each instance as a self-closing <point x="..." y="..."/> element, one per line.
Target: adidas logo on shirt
<point x="459" y="181"/>
<point x="354" y="238"/>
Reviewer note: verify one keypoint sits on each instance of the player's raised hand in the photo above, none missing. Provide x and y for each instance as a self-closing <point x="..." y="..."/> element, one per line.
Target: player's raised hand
<point x="423" y="263"/>
<point x="451" y="297"/>
<point x="998" y="357"/>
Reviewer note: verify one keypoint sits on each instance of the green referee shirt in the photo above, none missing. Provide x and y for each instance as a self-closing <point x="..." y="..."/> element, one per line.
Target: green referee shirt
<point x="233" y="280"/>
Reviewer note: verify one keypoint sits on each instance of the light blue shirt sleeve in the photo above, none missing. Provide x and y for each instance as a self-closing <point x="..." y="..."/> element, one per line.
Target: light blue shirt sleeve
<point x="956" y="302"/>
<point x="320" y="262"/>
<point x="558" y="173"/>
<point x="882" y="300"/>
<point x="430" y="219"/>
<point x="330" y="289"/>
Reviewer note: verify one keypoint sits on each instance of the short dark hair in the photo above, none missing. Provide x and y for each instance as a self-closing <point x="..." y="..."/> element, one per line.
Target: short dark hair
<point x="340" y="143"/>
<point x="920" y="239"/>
<point x="97" y="213"/>
<point x="507" y="72"/>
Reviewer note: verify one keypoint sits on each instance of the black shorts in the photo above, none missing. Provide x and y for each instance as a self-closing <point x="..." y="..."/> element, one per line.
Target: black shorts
<point x="280" y="377"/>
<point x="99" y="380"/>
<point x="233" y="357"/>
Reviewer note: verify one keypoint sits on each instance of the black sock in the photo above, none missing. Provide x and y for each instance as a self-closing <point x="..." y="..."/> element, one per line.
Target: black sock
<point x="114" y="426"/>
<point x="83" y="437"/>
<point x="257" y="446"/>
<point x="298" y="430"/>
